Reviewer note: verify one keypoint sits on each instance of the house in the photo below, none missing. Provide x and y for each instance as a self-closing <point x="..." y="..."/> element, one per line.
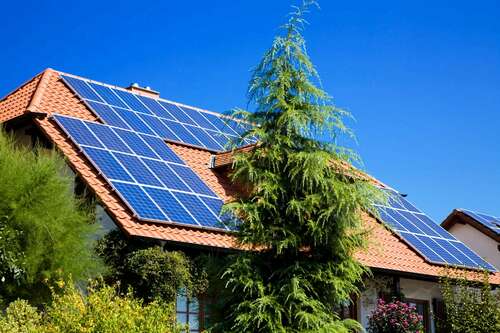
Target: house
<point x="159" y="171"/>
<point x="480" y="232"/>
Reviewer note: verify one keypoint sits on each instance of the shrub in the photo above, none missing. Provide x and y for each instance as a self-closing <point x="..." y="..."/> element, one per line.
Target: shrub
<point x="469" y="306"/>
<point x="395" y="317"/>
<point x="45" y="233"/>
<point x="150" y="271"/>
<point x="20" y="317"/>
<point x="103" y="310"/>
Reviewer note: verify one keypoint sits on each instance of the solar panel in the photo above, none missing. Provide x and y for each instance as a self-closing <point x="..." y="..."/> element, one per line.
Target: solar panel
<point x="141" y="203"/>
<point x="83" y="89"/>
<point x="132" y="102"/>
<point x="159" y="127"/>
<point x="152" y="116"/>
<point x="489" y="221"/>
<point x="157" y="186"/>
<point x="151" y="179"/>
<point x="428" y="238"/>
<point x="133" y="120"/>
<point x="107" y="114"/>
<point x="172" y="207"/>
<point x="108" y="95"/>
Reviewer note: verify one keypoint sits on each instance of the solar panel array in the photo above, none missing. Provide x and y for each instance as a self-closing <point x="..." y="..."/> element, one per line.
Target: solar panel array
<point x="158" y="117"/>
<point x="157" y="186"/>
<point x="427" y="237"/>
<point x="152" y="180"/>
<point x="490" y="222"/>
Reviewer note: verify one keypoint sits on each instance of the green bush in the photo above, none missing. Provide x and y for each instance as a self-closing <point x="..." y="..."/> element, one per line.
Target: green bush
<point x="45" y="233"/>
<point x="150" y="271"/>
<point x="103" y="310"/>
<point x="470" y="307"/>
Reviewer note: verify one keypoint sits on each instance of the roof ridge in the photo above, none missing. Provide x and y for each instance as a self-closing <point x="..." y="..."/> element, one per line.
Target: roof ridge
<point x="21" y="86"/>
<point x="36" y="98"/>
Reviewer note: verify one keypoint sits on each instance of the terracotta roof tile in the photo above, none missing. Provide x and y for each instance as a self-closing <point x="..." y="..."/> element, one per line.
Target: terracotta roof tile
<point x="386" y="251"/>
<point x="15" y="104"/>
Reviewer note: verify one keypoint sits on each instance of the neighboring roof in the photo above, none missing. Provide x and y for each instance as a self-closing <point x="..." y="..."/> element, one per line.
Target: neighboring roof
<point x="46" y="94"/>
<point x="487" y="224"/>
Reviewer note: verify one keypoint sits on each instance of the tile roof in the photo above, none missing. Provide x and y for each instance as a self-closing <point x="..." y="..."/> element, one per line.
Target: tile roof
<point x="47" y="94"/>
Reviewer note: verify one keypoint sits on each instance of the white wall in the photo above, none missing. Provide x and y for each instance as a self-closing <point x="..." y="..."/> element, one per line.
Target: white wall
<point x="415" y="289"/>
<point x="480" y="243"/>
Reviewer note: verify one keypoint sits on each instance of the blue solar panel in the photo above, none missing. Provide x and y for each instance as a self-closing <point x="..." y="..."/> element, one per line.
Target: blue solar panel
<point x="427" y="237"/>
<point x="154" y="106"/>
<point x="78" y="131"/>
<point x="236" y="126"/>
<point x="192" y="180"/>
<point x="161" y="149"/>
<point x="166" y="175"/>
<point x="132" y="102"/>
<point x="159" y="127"/>
<point x="203" y="137"/>
<point x="138" y="169"/>
<point x="107" y="164"/>
<point x="421" y="247"/>
<point x="133" y="120"/>
<point x="135" y="143"/>
<point x="107" y="115"/>
<point x="151" y="171"/>
<point x="182" y="133"/>
<point x="198" y="118"/>
<point x="177" y="113"/>
<point x="82" y="88"/>
<point x="220" y="124"/>
<point x="223" y="140"/>
<point x="139" y="201"/>
<point x="197" y="209"/>
<point x="108" y="137"/>
<point x="108" y="95"/>
<point x="174" y="210"/>
<point x="130" y="112"/>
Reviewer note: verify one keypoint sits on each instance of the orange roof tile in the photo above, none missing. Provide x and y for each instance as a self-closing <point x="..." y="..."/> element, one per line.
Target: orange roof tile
<point x="47" y="94"/>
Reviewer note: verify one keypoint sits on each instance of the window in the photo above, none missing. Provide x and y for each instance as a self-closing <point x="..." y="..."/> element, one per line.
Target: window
<point x="422" y="307"/>
<point x="192" y="312"/>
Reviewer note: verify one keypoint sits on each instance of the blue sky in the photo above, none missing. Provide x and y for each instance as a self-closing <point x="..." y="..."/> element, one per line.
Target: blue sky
<point x="422" y="78"/>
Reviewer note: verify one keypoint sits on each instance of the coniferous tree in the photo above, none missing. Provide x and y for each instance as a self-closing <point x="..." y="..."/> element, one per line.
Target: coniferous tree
<point x="302" y="209"/>
<point x="45" y="232"/>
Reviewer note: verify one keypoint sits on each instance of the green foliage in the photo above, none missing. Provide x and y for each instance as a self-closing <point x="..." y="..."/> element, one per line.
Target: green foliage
<point x="103" y="310"/>
<point x="150" y="271"/>
<point x="302" y="209"/>
<point x="20" y="317"/>
<point x="469" y="306"/>
<point x="44" y="231"/>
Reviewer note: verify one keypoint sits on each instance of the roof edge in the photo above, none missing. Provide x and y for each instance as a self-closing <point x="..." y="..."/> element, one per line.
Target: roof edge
<point x="457" y="216"/>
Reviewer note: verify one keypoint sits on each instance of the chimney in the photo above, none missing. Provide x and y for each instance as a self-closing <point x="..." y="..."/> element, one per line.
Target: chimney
<point x="144" y="91"/>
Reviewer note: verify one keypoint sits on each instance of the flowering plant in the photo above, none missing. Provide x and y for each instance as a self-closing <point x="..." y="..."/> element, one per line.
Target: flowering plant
<point x="395" y="317"/>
